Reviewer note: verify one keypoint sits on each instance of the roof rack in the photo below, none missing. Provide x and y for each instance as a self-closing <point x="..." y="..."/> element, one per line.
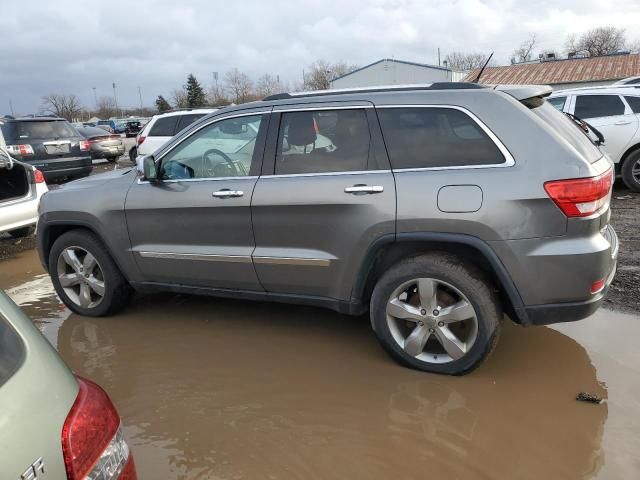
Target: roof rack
<point x="379" y="88"/>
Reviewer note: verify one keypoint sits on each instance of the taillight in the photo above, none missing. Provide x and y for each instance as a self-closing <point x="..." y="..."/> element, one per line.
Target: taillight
<point x="22" y="150"/>
<point x="581" y="197"/>
<point x="38" y="176"/>
<point x="141" y="139"/>
<point x="85" y="146"/>
<point x="92" y="440"/>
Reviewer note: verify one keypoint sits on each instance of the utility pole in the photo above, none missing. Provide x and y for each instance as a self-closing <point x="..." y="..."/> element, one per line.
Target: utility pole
<point x="438" y="56"/>
<point x="95" y="97"/>
<point x="214" y="75"/>
<point x="11" y="108"/>
<point x="140" y="93"/>
<point x="115" y="97"/>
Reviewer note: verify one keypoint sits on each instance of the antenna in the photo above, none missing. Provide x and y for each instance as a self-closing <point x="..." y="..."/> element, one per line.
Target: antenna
<point x="483" y="67"/>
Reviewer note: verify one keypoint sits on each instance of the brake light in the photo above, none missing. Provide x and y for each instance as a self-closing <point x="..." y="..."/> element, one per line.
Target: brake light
<point x="85" y="146"/>
<point x="598" y="286"/>
<point x="581" y="197"/>
<point x="141" y="140"/>
<point x="22" y="150"/>
<point x="93" y="443"/>
<point x="38" y="176"/>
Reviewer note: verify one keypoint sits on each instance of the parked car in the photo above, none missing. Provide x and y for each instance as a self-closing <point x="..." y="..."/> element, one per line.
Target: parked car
<point x="21" y="187"/>
<point x="103" y="144"/>
<point x="115" y="126"/>
<point x="615" y="112"/>
<point x="106" y="128"/>
<point x="54" y="425"/>
<point x="49" y="144"/>
<point x="427" y="206"/>
<point x="628" y="81"/>
<point x="162" y="127"/>
<point x="132" y="128"/>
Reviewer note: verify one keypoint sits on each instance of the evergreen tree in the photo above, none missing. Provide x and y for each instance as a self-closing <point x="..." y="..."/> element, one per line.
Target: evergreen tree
<point x="195" y="94"/>
<point x="162" y="104"/>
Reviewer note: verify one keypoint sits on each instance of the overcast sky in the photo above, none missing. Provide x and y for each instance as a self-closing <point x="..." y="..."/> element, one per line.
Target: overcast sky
<point x="70" y="46"/>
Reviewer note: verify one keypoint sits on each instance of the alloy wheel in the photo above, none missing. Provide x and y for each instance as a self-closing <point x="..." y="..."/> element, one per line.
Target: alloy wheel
<point x="81" y="277"/>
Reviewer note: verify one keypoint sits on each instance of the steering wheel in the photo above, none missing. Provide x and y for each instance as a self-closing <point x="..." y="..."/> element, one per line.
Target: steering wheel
<point x="209" y="168"/>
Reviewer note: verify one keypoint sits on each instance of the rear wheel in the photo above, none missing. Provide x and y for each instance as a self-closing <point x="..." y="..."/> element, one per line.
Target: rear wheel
<point x="85" y="276"/>
<point x="21" y="232"/>
<point x="631" y="171"/>
<point x="436" y="314"/>
<point x="112" y="159"/>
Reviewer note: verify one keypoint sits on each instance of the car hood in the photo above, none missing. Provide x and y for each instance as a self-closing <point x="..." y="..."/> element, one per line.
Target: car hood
<point x="96" y="180"/>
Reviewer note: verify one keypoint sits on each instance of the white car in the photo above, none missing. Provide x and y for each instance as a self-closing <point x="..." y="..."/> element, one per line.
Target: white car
<point x="21" y="187"/>
<point x="161" y="128"/>
<point x="615" y="112"/>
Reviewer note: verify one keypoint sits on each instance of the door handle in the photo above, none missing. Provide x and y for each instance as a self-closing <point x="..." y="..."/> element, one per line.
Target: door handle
<point x="226" y="193"/>
<point x="623" y="122"/>
<point x="364" y="189"/>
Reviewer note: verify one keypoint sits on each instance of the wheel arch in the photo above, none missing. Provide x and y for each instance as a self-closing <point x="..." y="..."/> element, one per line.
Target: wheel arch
<point x="390" y="249"/>
<point x="626" y="154"/>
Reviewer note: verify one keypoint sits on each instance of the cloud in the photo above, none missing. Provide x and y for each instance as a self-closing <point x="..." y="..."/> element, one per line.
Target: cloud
<point x="70" y="46"/>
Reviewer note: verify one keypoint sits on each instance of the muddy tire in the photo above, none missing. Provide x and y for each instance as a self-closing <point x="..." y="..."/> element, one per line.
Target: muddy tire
<point x="631" y="171"/>
<point x="436" y="314"/>
<point x="21" y="232"/>
<point x="85" y="276"/>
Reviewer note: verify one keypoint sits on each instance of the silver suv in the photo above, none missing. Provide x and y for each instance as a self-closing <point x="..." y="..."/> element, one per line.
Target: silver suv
<point x="436" y="208"/>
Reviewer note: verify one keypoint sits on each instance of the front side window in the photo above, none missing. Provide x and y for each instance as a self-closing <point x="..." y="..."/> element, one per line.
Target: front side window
<point x="164" y="127"/>
<point x="558" y="102"/>
<point x="221" y="149"/>
<point x="435" y="137"/>
<point x="323" y="141"/>
<point x="594" y="106"/>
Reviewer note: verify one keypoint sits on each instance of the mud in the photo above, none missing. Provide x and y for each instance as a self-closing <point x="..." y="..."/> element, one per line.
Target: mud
<point x="210" y="388"/>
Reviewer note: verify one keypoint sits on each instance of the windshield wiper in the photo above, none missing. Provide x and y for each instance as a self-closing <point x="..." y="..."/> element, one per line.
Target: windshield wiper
<point x="582" y="124"/>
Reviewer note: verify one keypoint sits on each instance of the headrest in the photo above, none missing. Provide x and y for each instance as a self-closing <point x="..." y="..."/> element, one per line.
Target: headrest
<point x="301" y="129"/>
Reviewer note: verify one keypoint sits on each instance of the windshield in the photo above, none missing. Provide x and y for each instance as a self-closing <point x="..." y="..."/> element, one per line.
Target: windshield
<point x="569" y="131"/>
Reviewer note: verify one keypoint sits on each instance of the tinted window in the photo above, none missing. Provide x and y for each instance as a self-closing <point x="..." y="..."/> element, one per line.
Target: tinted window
<point x="38" y="129"/>
<point x="435" y="137"/>
<point x="323" y="141"/>
<point x="164" y="127"/>
<point x="635" y="81"/>
<point x="592" y="106"/>
<point x="186" y="120"/>
<point x="222" y="149"/>
<point x="558" y="102"/>
<point x="634" y="103"/>
<point x="11" y="350"/>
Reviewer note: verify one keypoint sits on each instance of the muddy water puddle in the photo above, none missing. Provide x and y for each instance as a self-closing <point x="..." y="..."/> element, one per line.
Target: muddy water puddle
<point x="211" y="389"/>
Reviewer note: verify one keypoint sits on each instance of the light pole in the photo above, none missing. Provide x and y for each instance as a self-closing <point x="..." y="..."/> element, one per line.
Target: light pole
<point x="140" y="93"/>
<point x="95" y="97"/>
<point x="115" y="97"/>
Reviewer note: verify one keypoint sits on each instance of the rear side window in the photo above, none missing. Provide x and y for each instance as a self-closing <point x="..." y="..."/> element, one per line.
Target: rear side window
<point x="634" y="103"/>
<point x="323" y="141"/>
<point x="164" y="127"/>
<point x="15" y="131"/>
<point x="435" y="137"/>
<point x="11" y="351"/>
<point x="593" y="106"/>
<point x="186" y="120"/>
<point x="558" y="102"/>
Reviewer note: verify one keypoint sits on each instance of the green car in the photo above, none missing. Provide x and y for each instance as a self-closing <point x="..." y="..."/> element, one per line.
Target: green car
<point x="53" y="425"/>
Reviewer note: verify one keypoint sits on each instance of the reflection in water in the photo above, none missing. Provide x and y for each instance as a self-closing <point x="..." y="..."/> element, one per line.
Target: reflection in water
<point x="223" y="389"/>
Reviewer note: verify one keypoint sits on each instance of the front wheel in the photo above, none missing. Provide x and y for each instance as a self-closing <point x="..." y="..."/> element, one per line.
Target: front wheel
<point x="85" y="276"/>
<point x="631" y="171"/>
<point x="436" y="314"/>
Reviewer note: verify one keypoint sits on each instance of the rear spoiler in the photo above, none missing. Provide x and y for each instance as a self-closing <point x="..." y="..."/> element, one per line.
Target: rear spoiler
<point x="530" y="95"/>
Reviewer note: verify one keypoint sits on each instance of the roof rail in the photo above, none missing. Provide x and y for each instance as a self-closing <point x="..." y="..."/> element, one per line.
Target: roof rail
<point x="378" y="88"/>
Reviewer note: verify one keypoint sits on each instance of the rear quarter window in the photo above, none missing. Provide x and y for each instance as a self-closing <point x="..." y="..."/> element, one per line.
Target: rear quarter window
<point x="164" y="127"/>
<point x="436" y="137"/>
<point x="634" y="103"/>
<point x="11" y="351"/>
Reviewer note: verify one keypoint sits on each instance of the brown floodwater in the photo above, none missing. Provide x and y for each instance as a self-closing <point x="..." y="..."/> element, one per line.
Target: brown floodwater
<point x="213" y="389"/>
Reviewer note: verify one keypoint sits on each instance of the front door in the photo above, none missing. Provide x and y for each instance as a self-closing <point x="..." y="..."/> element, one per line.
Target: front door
<point x="193" y="227"/>
<point x="326" y="195"/>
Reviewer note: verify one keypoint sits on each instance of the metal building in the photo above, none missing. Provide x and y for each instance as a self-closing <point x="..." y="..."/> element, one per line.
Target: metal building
<point x="389" y="71"/>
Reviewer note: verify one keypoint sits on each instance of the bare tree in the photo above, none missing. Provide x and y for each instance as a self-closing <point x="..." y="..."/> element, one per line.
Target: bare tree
<point x="596" y="42"/>
<point x="179" y="97"/>
<point x="321" y="72"/>
<point x="238" y="86"/>
<point x="524" y="53"/>
<point x="60" y="105"/>
<point x="216" y="97"/>
<point x="268" y="85"/>
<point x="106" y="107"/>
<point x="463" y="61"/>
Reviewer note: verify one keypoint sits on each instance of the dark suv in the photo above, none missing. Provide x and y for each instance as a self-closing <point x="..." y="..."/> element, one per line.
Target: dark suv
<point x="437" y="209"/>
<point x="50" y="144"/>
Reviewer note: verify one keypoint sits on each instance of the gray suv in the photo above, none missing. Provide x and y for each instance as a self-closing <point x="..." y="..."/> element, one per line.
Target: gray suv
<point x="437" y="209"/>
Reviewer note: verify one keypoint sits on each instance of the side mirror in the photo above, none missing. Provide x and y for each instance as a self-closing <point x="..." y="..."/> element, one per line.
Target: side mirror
<point x="149" y="168"/>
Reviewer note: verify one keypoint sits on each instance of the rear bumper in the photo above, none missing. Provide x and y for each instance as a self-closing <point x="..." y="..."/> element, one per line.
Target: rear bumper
<point x="56" y="168"/>
<point x="107" y="152"/>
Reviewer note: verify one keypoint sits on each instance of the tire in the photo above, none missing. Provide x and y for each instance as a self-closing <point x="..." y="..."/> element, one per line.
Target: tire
<point x="133" y="153"/>
<point x="630" y="180"/>
<point x="455" y="282"/>
<point x="116" y="289"/>
<point x="112" y="159"/>
<point x="21" y="232"/>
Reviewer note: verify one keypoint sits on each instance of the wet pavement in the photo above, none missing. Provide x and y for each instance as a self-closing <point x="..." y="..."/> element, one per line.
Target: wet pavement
<point x="212" y="389"/>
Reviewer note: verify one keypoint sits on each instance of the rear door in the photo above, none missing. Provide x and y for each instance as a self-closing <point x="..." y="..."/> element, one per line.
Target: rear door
<point x="610" y="115"/>
<point x="326" y="193"/>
